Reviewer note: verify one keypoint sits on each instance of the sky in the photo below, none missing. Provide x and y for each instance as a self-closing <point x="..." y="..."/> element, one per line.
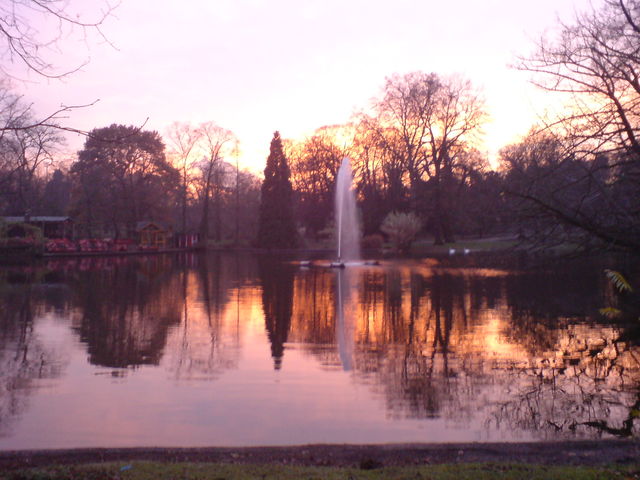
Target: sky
<point x="257" y="66"/>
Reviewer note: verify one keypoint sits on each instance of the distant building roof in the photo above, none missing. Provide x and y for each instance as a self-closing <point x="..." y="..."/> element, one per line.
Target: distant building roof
<point x="36" y="218"/>
<point x="150" y="224"/>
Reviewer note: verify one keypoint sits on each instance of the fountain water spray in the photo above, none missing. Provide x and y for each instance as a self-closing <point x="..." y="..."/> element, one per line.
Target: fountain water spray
<point x="347" y="227"/>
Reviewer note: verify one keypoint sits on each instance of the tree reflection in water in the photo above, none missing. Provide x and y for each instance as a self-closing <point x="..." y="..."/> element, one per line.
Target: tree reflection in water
<point x="590" y="381"/>
<point x="522" y="351"/>
<point x="277" y="301"/>
<point x="207" y="340"/>
<point x="24" y="357"/>
<point x="123" y="313"/>
<point x="438" y="343"/>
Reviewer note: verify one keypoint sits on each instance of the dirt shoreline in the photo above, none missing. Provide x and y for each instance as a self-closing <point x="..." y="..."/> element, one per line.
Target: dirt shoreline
<point x="600" y="452"/>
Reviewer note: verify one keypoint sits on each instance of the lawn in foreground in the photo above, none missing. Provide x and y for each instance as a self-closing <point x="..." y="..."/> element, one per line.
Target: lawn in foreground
<point x="217" y="471"/>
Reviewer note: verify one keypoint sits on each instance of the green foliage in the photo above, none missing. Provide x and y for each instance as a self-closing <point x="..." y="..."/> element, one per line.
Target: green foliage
<point x="277" y="227"/>
<point x="618" y="280"/>
<point x="401" y="228"/>
<point x="625" y="291"/>
<point x="610" y="312"/>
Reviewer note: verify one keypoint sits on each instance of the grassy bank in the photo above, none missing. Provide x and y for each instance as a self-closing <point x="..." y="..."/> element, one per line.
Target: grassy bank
<point x="216" y="471"/>
<point x="426" y="247"/>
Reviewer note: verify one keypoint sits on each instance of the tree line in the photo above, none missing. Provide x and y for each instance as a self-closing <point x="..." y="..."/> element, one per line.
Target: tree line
<point x="573" y="178"/>
<point x="414" y="151"/>
<point x="124" y="175"/>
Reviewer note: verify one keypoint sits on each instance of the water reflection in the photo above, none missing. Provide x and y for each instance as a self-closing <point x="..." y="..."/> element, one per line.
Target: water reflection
<point x="277" y="304"/>
<point x="589" y="382"/>
<point x="470" y="352"/>
<point x="124" y="313"/>
<point x="345" y="315"/>
<point x="436" y="343"/>
<point x="24" y="356"/>
<point x="205" y="343"/>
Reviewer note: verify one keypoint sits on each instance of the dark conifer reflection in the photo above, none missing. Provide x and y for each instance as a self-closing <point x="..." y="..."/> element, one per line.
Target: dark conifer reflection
<point x="277" y="304"/>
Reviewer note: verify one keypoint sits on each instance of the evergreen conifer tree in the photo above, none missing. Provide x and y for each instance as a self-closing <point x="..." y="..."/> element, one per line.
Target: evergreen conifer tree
<point x="277" y="226"/>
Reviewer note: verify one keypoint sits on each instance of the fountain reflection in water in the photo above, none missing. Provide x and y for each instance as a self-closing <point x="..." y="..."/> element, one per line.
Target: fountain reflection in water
<point x="347" y="227"/>
<point x="345" y="317"/>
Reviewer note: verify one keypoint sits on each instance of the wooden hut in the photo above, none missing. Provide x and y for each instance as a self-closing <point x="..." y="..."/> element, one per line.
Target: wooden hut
<point x="152" y="235"/>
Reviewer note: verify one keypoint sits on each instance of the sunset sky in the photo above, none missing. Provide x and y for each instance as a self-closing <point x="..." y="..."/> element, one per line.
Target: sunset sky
<point x="256" y="66"/>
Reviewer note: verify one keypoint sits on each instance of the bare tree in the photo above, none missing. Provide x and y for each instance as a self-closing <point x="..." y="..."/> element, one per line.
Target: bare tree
<point x="380" y="175"/>
<point x="314" y="164"/>
<point x="217" y="142"/>
<point x="23" y="154"/>
<point x="426" y="123"/>
<point x="594" y="64"/>
<point x="13" y="115"/>
<point x="183" y="142"/>
<point x="31" y="32"/>
<point x="594" y="61"/>
<point x="457" y="117"/>
<point x="32" y="38"/>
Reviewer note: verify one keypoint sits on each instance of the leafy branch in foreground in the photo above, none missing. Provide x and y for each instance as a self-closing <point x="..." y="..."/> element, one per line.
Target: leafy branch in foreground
<point x="618" y="280"/>
<point x="622" y="286"/>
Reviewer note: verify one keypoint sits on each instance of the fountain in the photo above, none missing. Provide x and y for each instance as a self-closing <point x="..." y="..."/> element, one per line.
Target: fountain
<point x="347" y="227"/>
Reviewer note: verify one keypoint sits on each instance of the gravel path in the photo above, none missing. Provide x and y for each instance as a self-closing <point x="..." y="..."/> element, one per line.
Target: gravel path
<point x="363" y="456"/>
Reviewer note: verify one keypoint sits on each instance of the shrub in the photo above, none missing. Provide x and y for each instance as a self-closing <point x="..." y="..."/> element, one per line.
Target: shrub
<point x="401" y="228"/>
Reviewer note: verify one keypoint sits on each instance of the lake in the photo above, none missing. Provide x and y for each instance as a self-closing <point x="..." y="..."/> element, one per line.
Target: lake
<point x="240" y="350"/>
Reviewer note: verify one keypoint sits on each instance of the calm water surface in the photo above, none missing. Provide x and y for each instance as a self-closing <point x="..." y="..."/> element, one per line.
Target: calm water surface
<point x="236" y="350"/>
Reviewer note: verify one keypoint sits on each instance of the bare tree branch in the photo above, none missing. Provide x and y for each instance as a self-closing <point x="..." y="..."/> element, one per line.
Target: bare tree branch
<point x="22" y="43"/>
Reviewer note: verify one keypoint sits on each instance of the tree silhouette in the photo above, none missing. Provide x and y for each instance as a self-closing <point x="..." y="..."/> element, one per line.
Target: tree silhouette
<point x="422" y="131"/>
<point x="277" y="226"/>
<point x="593" y="66"/>
<point x="122" y="177"/>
